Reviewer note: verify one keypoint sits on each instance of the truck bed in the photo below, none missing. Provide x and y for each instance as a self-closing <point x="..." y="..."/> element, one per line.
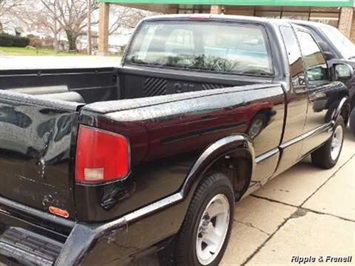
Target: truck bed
<point x="39" y="129"/>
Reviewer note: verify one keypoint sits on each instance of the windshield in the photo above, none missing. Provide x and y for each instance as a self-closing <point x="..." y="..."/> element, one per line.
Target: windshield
<point x="344" y="45"/>
<point x="200" y="45"/>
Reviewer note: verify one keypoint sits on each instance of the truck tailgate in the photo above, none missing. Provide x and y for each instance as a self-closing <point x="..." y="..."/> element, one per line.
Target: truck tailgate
<point x="35" y="152"/>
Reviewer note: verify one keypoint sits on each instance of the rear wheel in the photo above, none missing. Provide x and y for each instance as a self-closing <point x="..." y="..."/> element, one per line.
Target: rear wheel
<point x="327" y="155"/>
<point x="205" y="232"/>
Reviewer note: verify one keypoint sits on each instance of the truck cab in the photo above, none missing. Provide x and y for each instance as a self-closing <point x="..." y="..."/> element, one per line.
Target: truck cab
<point x="337" y="48"/>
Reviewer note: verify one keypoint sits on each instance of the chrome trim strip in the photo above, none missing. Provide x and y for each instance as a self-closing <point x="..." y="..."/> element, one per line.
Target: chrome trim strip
<point x="34" y="212"/>
<point x="149" y="209"/>
<point x="153" y="207"/>
<point x="266" y="155"/>
<point x="308" y="134"/>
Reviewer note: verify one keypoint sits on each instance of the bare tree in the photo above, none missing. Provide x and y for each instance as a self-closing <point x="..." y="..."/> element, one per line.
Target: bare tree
<point x="71" y="16"/>
<point x="38" y="17"/>
<point x="7" y="8"/>
<point x="88" y="34"/>
<point x="126" y="17"/>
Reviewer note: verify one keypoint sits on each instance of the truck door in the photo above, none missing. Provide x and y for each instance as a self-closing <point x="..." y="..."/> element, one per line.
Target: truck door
<point x="297" y="101"/>
<point x="319" y="90"/>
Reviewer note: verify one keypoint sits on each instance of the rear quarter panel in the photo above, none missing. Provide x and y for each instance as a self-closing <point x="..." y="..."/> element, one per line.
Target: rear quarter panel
<point x="168" y="134"/>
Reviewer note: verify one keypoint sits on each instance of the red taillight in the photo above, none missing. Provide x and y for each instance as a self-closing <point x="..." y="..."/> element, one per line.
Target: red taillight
<point x="101" y="156"/>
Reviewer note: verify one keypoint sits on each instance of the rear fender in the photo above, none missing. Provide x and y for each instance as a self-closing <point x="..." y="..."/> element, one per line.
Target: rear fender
<point x="232" y="146"/>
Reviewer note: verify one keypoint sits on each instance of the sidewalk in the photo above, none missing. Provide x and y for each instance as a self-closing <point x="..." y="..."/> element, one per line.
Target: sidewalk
<point x="303" y="214"/>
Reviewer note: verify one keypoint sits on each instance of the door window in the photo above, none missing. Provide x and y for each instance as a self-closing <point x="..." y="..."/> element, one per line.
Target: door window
<point x="294" y="57"/>
<point x="316" y="66"/>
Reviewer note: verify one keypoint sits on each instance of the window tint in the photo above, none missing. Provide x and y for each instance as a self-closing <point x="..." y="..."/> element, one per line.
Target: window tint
<point x="344" y="45"/>
<point x="316" y="67"/>
<point x="294" y="56"/>
<point x="212" y="46"/>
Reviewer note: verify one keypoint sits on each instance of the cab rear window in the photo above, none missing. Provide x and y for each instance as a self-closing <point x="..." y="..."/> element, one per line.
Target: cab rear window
<point x="205" y="46"/>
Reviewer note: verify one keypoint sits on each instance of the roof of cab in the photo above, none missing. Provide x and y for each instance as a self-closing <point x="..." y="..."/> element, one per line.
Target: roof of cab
<point x="231" y="18"/>
<point x="306" y="22"/>
<point x="218" y="18"/>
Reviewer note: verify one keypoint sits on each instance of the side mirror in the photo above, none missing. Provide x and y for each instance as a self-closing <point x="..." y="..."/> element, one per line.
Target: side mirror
<point x="328" y="54"/>
<point x="343" y="71"/>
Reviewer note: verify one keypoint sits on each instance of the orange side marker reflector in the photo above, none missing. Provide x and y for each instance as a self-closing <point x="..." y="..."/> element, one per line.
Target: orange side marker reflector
<point x="59" y="212"/>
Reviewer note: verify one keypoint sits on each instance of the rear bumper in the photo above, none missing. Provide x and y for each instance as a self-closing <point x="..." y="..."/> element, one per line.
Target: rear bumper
<point x="27" y="244"/>
<point x="29" y="236"/>
<point x="96" y="245"/>
<point x="45" y="239"/>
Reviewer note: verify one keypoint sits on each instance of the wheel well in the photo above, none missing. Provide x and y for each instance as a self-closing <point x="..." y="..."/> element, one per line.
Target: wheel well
<point x="238" y="168"/>
<point x="336" y="98"/>
<point x="345" y="111"/>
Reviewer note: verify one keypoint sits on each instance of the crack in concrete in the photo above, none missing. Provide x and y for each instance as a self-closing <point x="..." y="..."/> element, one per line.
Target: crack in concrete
<point x="267" y="240"/>
<point x="252" y="226"/>
<point x="326" y="181"/>
<point x="301" y="211"/>
<point x="303" y="208"/>
<point x="328" y="214"/>
<point x="274" y="201"/>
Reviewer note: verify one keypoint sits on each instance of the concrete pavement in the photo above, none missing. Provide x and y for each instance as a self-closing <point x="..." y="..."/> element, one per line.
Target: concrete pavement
<point x="304" y="214"/>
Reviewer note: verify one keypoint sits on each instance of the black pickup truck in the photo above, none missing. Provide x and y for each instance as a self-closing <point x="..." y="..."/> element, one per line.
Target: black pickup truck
<point x="104" y="166"/>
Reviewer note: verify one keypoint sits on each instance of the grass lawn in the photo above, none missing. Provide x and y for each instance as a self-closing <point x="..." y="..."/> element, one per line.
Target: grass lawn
<point x="31" y="51"/>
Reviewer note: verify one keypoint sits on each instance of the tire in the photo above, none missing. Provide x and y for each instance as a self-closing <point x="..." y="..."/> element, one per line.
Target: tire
<point x="328" y="154"/>
<point x="352" y="122"/>
<point x="214" y="194"/>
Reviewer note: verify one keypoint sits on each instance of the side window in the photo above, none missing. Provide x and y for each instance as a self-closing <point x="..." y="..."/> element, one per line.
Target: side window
<point x="294" y="56"/>
<point x="316" y="66"/>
